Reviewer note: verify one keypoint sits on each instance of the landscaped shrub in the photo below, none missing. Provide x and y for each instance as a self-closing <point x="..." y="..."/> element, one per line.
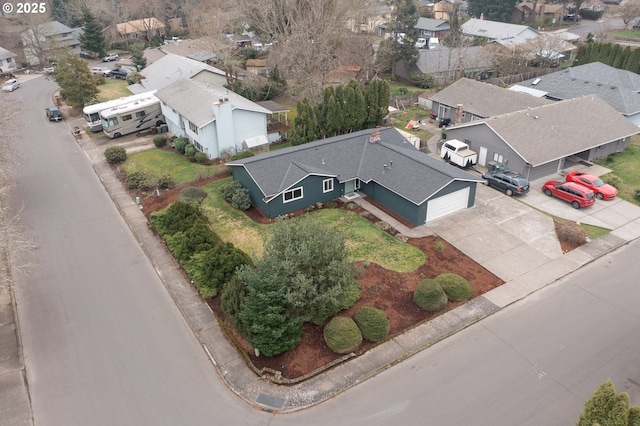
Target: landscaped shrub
<point x="636" y="194"/>
<point x="234" y="292"/>
<point x="455" y="287"/>
<point x="211" y="269"/>
<point x="570" y="232"/>
<point x="196" y="238"/>
<point x="139" y="179"/>
<point x="201" y="157"/>
<point x="342" y="335"/>
<point x="430" y="296"/>
<point x="115" y="154"/>
<point x="189" y="150"/>
<point x="373" y="323"/>
<point x="241" y="155"/>
<point x="192" y="194"/>
<point x="160" y="141"/>
<point x="236" y="195"/>
<point x="165" y="181"/>
<point x="241" y="200"/>
<point x="612" y="179"/>
<point x="180" y="144"/>
<point x="178" y="217"/>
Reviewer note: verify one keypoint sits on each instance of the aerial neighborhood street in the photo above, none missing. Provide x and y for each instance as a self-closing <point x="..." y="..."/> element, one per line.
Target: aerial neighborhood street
<point x="509" y="141"/>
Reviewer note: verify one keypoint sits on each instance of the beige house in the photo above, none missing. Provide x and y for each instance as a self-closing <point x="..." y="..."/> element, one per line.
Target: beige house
<point x="146" y="29"/>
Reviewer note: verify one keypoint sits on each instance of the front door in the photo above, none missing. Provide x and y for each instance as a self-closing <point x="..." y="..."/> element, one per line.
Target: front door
<point x="482" y="156"/>
<point x="349" y="186"/>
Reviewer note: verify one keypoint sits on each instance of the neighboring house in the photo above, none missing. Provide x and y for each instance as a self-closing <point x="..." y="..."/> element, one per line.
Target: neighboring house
<point x="145" y="29"/>
<point x="446" y="64"/>
<point x="372" y="20"/>
<point x="445" y="10"/>
<point x="594" y="5"/>
<point x="276" y="128"/>
<point x="619" y="88"/>
<point x="196" y="49"/>
<point x="498" y="31"/>
<point x="433" y="28"/>
<point x="171" y="68"/>
<point x="216" y="120"/>
<point x="469" y="100"/>
<point x="533" y="12"/>
<point x="41" y="42"/>
<point x="380" y="163"/>
<point x="541" y="141"/>
<point x="7" y="60"/>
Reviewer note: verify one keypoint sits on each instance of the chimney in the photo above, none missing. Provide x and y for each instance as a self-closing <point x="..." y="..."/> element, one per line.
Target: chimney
<point x="374" y="136"/>
<point x="458" y="119"/>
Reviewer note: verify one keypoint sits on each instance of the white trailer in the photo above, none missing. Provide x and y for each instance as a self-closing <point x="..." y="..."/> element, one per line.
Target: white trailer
<point x="458" y="153"/>
<point x="132" y="117"/>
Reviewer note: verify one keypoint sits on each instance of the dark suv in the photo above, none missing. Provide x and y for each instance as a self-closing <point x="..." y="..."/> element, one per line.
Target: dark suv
<point x="121" y="73"/>
<point x="505" y="180"/>
<point x="53" y="113"/>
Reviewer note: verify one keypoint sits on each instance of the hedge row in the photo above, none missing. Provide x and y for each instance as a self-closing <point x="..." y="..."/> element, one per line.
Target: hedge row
<point x="208" y="260"/>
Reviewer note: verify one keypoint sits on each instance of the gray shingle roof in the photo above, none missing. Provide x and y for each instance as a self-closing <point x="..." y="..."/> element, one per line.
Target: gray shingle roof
<point x="559" y="129"/>
<point x="169" y="69"/>
<point x="432" y="24"/>
<point x="193" y="100"/>
<point x="410" y="173"/>
<point x="494" y="30"/>
<point x="486" y="100"/>
<point x="619" y="88"/>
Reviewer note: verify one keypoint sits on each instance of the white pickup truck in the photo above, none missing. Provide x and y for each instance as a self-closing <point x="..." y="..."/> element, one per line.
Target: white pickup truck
<point x="458" y="153"/>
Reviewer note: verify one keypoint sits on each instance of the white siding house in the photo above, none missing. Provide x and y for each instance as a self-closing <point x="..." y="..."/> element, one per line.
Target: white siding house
<point x="216" y="120"/>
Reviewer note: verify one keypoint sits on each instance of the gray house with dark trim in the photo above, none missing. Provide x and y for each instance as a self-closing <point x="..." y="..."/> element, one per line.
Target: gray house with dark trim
<point x="379" y="163"/>
<point x="620" y="88"/>
<point x="469" y="100"/>
<point x="537" y="142"/>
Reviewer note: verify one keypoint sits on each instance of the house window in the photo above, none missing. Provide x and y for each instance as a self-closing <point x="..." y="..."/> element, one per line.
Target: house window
<point x="497" y="157"/>
<point x="193" y="128"/>
<point x="126" y="117"/>
<point x="327" y="185"/>
<point x="197" y="145"/>
<point x="292" y="195"/>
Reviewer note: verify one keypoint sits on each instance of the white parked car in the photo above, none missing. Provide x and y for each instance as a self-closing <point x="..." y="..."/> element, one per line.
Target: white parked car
<point x="10" y="85"/>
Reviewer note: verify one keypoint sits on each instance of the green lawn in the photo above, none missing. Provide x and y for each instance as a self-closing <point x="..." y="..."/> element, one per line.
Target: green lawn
<point x="629" y="34"/>
<point x="159" y="162"/>
<point x="113" y="88"/>
<point x="626" y="165"/>
<point x="365" y="241"/>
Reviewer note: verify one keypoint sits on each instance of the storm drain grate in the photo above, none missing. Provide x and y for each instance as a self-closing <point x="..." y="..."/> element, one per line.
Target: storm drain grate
<point x="270" y="400"/>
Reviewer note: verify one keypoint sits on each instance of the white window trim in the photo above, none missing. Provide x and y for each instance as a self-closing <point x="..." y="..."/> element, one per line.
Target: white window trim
<point x="324" y="185"/>
<point x="292" y="191"/>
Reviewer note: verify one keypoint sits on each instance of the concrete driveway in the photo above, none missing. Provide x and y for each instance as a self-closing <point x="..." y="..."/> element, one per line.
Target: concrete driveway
<point x="513" y="237"/>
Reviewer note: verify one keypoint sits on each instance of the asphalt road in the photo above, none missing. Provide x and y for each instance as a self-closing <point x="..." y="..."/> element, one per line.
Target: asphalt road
<point x="104" y="343"/>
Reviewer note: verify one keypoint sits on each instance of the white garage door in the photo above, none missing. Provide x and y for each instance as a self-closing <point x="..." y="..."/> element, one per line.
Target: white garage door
<point x="448" y="204"/>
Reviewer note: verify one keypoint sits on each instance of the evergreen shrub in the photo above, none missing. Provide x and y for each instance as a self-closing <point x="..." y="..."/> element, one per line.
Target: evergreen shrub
<point x="342" y="335"/>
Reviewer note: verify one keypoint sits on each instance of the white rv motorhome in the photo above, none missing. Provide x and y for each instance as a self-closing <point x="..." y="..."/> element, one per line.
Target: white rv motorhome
<point x="92" y="112"/>
<point x="132" y="117"/>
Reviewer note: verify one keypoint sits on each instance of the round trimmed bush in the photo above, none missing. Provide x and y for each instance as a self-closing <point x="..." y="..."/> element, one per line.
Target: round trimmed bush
<point x="192" y="194"/>
<point x="613" y="180"/>
<point x="342" y="335"/>
<point x="115" y="154"/>
<point x="180" y="144"/>
<point x="430" y="296"/>
<point x="373" y="323"/>
<point x="201" y="157"/>
<point x="455" y="287"/>
<point x="160" y="141"/>
<point x="165" y="181"/>
<point x="189" y="150"/>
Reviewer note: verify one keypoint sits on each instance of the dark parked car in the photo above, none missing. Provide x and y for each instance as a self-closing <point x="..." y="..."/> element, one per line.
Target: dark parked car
<point x="505" y="180"/>
<point x="578" y="195"/>
<point x="53" y="113"/>
<point x="121" y="73"/>
<point x="572" y="17"/>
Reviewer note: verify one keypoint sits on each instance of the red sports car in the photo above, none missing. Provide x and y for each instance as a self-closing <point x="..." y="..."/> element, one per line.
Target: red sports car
<point x="603" y="191"/>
